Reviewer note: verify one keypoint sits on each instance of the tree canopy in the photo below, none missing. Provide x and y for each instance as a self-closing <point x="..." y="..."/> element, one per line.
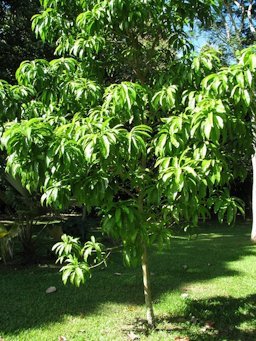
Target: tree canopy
<point x="127" y="120"/>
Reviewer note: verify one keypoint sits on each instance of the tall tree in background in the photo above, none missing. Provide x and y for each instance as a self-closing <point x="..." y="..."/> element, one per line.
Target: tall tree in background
<point x="128" y="122"/>
<point x="234" y="26"/>
<point x="17" y="41"/>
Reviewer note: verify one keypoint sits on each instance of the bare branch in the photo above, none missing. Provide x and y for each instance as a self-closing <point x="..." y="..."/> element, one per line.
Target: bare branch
<point x="107" y="256"/>
<point x="125" y="190"/>
<point x="100" y="263"/>
<point x="249" y="16"/>
<point x="242" y="9"/>
<point x="233" y="22"/>
<point x="228" y="35"/>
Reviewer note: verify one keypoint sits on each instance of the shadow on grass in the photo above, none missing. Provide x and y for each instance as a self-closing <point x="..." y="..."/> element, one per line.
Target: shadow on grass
<point x="206" y="257"/>
<point x="24" y="304"/>
<point x="218" y="318"/>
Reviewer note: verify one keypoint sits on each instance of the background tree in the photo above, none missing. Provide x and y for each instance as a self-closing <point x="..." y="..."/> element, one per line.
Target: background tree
<point x="17" y="41"/>
<point x="147" y="136"/>
<point x="233" y="29"/>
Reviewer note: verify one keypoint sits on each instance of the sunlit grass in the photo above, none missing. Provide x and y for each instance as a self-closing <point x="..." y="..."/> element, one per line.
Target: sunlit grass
<point x="209" y="279"/>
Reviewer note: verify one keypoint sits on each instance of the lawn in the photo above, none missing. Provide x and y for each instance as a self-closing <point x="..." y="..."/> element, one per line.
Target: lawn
<point x="203" y="288"/>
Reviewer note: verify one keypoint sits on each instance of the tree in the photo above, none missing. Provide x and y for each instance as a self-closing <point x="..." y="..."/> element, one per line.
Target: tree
<point x="235" y="28"/>
<point x="128" y="122"/>
<point x="17" y="41"/>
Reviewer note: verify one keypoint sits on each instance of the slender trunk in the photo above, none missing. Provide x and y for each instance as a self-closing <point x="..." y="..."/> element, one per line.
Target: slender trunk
<point x="253" y="232"/>
<point x="144" y="257"/>
<point x="233" y="21"/>
<point x="147" y="288"/>
<point x="145" y="269"/>
<point x="249" y="16"/>
<point x="241" y="7"/>
<point x="227" y="28"/>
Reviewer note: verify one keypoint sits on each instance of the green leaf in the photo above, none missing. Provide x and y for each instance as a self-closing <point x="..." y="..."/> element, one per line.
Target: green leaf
<point x="230" y="214"/>
<point x="106" y="146"/>
<point x="246" y="97"/>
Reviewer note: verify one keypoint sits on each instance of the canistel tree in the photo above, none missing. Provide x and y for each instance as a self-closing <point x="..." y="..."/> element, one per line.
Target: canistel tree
<point x="127" y="121"/>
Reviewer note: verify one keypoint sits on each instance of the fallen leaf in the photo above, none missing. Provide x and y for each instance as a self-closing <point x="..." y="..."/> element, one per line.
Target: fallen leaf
<point x="182" y="338"/>
<point x="184" y="295"/>
<point x="132" y="336"/>
<point x="50" y="290"/>
<point x="208" y="326"/>
<point x="62" y="338"/>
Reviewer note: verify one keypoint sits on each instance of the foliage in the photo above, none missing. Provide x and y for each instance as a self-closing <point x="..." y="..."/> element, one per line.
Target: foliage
<point x="77" y="257"/>
<point x="234" y="28"/>
<point x="6" y="241"/>
<point x="17" y="41"/>
<point x="150" y="138"/>
<point x="185" y="147"/>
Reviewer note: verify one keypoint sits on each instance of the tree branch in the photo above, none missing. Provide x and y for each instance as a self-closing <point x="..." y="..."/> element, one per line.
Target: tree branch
<point x="249" y="16"/>
<point x="242" y="9"/>
<point x="228" y="35"/>
<point x="229" y="10"/>
<point x="100" y="263"/>
<point x="126" y="191"/>
<point x="110" y="249"/>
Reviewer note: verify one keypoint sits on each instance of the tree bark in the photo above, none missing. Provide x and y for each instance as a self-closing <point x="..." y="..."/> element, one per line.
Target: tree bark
<point x="249" y="15"/>
<point x="253" y="232"/>
<point x="147" y="288"/>
<point x="233" y="21"/>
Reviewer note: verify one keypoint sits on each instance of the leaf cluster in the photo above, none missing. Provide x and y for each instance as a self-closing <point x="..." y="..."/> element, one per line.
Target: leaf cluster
<point x="78" y="258"/>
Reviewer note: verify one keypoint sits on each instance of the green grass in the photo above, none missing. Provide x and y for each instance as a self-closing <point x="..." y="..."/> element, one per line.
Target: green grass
<point x="216" y="270"/>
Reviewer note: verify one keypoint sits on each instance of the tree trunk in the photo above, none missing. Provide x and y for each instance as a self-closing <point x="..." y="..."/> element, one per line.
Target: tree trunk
<point x="253" y="232"/>
<point x="144" y="264"/>
<point x="147" y="288"/>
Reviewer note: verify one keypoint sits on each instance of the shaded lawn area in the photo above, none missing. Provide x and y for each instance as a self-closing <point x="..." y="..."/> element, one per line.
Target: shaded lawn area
<point x="203" y="288"/>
